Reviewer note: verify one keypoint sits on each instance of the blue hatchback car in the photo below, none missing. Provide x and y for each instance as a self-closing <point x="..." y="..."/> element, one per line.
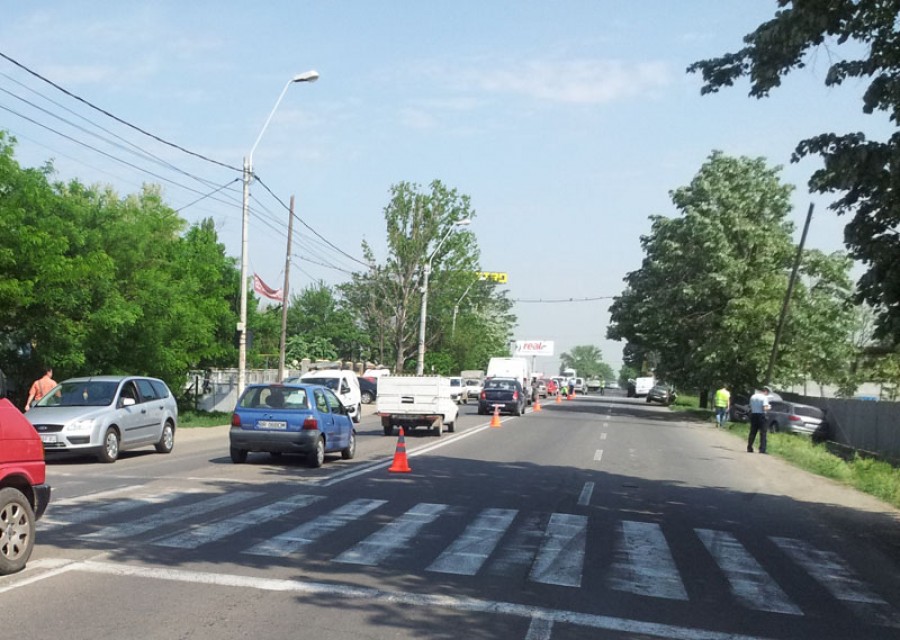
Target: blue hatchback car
<point x="291" y="418"/>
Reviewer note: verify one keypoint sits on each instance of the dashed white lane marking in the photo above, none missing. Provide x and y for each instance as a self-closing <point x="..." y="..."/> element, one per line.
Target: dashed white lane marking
<point x="539" y="629"/>
<point x="598" y="455"/>
<point x="833" y="574"/>
<point x="603" y="436"/>
<point x="171" y="515"/>
<point x="561" y="555"/>
<point x="393" y="536"/>
<point x="287" y="543"/>
<point x="468" y="552"/>
<point x="470" y="605"/>
<point x="586" y="492"/>
<point x="198" y="536"/>
<point x="644" y="564"/>
<point x="605" y="424"/>
<point x="750" y="584"/>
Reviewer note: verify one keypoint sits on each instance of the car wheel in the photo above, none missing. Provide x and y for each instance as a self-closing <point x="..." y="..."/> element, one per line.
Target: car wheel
<point x="350" y="451"/>
<point x="17" y="527"/>
<point x="438" y="427"/>
<point x="367" y="397"/>
<point x="358" y="415"/>
<point x="109" y="452"/>
<point x="518" y="409"/>
<point x="238" y="456"/>
<point x="451" y="427"/>
<point x="773" y="427"/>
<point x="317" y="456"/>
<point x="387" y="426"/>
<point x="167" y="439"/>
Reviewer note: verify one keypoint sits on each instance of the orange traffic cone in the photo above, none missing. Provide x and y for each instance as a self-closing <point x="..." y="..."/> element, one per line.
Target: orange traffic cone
<point x="495" y="421"/>
<point x="400" y="464"/>
<point x="537" y="405"/>
<point x="558" y="398"/>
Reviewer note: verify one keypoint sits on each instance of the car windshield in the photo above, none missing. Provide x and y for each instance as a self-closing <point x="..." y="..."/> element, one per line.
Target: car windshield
<point x="91" y="393"/>
<point x="274" y="397"/>
<point x="331" y="383"/>
<point x="455" y="383"/>
<point x="809" y="412"/>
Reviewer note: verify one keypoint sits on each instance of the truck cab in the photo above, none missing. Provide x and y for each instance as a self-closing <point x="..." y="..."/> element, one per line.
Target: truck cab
<point x="24" y="493"/>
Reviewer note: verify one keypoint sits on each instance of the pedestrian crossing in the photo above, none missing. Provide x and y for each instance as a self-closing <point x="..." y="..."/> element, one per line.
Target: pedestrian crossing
<point x="493" y="542"/>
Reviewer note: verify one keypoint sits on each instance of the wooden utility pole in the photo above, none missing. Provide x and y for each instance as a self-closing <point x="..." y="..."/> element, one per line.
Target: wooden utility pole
<point x="285" y="293"/>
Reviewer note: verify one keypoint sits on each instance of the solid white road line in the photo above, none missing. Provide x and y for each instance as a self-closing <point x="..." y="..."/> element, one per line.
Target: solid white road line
<point x="170" y="515"/>
<point x="644" y="564"/>
<point x="197" y="536"/>
<point x="832" y="573"/>
<point x="750" y="584"/>
<point x="287" y="543"/>
<point x="470" y="605"/>
<point x="393" y="536"/>
<point x="561" y="556"/>
<point x="586" y="492"/>
<point x="470" y="551"/>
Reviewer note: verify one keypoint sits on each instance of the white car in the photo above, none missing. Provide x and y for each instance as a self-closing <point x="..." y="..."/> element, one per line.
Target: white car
<point x="472" y="389"/>
<point x="345" y="385"/>
<point x="457" y="390"/>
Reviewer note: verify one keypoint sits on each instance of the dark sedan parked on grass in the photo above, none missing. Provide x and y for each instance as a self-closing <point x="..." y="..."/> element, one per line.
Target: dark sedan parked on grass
<point x="505" y="393"/>
<point x="662" y="393"/>
<point x="291" y="418"/>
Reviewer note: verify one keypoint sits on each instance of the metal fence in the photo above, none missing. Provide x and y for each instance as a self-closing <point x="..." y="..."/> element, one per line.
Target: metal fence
<point x="863" y="425"/>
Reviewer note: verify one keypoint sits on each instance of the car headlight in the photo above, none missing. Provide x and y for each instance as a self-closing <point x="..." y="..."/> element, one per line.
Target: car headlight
<point x="81" y="425"/>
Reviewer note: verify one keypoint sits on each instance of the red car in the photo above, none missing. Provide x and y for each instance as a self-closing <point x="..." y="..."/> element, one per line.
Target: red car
<point x="23" y="492"/>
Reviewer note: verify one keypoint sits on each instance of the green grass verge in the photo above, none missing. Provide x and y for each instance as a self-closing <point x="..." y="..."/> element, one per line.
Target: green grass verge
<point x="195" y="419"/>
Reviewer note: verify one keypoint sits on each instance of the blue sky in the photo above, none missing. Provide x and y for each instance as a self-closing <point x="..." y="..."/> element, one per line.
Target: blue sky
<point x="567" y="123"/>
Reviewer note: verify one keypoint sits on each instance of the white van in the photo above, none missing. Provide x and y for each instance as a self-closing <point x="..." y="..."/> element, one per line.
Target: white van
<point x="345" y="385"/>
<point x="512" y="368"/>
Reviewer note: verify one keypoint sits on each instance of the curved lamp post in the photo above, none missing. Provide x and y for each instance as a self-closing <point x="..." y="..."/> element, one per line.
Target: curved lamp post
<point x="308" y="76"/>
<point x="420" y="360"/>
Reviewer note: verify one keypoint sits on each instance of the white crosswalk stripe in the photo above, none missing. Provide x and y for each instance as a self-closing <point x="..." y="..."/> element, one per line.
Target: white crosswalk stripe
<point x="393" y="536"/>
<point x="644" y="564"/>
<point x="171" y="515"/>
<point x="496" y="542"/>
<point x="195" y="537"/>
<point x="561" y="555"/>
<point x="749" y="582"/>
<point x="287" y="543"/>
<point x="468" y="552"/>
<point x="833" y="574"/>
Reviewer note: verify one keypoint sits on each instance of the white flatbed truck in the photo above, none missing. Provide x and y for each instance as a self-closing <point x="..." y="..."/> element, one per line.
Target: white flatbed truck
<point x="416" y="401"/>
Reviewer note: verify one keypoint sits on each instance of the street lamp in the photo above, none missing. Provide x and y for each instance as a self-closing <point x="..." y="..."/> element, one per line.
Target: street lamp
<point x="458" y="302"/>
<point x="308" y="76"/>
<point x="420" y="360"/>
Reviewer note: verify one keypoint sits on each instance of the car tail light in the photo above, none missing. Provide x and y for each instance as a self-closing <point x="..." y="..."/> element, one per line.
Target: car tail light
<point x="795" y="418"/>
<point x="484" y="395"/>
<point x="515" y="395"/>
<point x="235" y="420"/>
<point x="310" y="423"/>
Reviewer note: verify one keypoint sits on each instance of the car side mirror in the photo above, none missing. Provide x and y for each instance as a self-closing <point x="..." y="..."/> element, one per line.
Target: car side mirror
<point x="128" y="402"/>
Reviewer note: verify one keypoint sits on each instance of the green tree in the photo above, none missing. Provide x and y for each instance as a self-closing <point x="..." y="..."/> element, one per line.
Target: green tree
<point x="587" y="360"/>
<point x="709" y="291"/>
<point x="866" y="32"/>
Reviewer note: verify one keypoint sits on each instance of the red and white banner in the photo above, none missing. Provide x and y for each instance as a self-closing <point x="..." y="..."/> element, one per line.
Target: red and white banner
<point x="265" y="290"/>
<point x="534" y="347"/>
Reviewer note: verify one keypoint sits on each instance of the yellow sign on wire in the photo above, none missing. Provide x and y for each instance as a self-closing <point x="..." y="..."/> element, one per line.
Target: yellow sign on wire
<point x="494" y="276"/>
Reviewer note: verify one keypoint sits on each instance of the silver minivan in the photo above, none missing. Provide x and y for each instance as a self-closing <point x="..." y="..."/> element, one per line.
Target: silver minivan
<point x="104" y="415"/>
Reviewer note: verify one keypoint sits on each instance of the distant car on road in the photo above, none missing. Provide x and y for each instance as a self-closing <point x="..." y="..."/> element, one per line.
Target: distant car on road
<point x="456" y="389"/>
<point x="662" y="393"/>
<point x="793" y="417"/>
<point x="472" y="389"/>
<point x="505" y="392"/>
<point x="308" y="419"/>
<point x="580" y="386"/>
<point x="105" y="415"/>
<point x="540" y="386"/>
<point x="612" y="384"/>
<point x="594" y="384"/>
<point x="368" y="390"/>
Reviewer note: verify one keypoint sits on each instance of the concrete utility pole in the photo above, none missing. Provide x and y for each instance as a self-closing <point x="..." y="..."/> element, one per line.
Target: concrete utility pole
<point x="787" y="296"/>
<point x="284" y="292"/>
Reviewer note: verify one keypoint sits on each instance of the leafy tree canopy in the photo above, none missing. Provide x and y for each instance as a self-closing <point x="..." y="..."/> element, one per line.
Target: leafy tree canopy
<point x="865" y="171"/>
<point x="587" y="360"/>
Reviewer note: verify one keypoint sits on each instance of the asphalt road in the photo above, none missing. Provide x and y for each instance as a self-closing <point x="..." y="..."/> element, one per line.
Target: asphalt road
<point x="599" y="517"/>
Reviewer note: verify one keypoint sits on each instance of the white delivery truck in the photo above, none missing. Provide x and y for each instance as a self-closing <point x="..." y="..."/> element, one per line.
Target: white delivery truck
<point x="416" y="401"/>
<point x="512" y="368"/>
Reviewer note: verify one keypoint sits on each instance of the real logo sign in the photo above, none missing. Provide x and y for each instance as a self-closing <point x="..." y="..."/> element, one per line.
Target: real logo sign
<point x="534" y="347"/>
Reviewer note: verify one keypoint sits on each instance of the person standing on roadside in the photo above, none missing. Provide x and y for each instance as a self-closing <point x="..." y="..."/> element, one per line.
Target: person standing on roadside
<point x="40" y="387"/>
<point x="759" y="405"/>
<point x="722" y="403"/>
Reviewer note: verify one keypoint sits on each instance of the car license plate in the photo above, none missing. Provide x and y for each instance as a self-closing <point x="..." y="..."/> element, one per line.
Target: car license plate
<point x="48" y="439"/>
<point x="272" y="424"/>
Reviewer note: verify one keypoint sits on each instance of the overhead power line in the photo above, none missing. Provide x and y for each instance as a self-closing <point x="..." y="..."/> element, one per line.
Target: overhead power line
<point x="560" y="300"/>
<point x="114" y="117"/>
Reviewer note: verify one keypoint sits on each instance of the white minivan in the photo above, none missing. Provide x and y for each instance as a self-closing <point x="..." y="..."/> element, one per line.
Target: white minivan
<point x="345" y="385"/>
